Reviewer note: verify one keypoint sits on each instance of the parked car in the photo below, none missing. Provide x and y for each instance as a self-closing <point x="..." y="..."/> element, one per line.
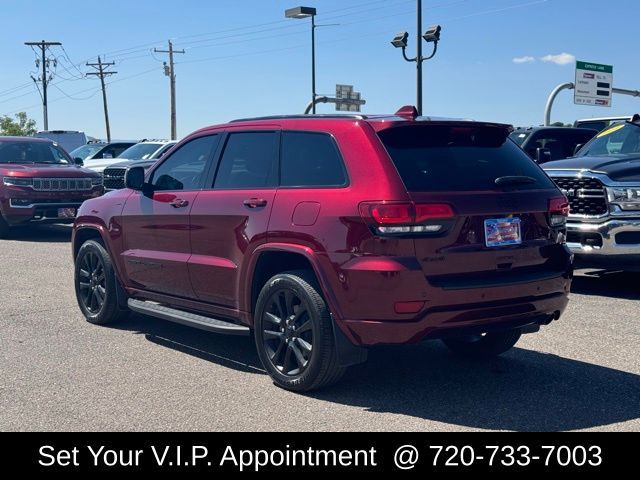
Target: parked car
<point x="113" y="176"/>
<point x="603" y="187"/>
<point x="329" y="234"/>
<point x="85" y="152"/>
<point x="67" y="139"/>
<point x="545" y="144"/>
<point x="600" y="123"/>
<point x="146" y="149"/>
<point x="106" y="155"/>
<point x="40" y="183"/>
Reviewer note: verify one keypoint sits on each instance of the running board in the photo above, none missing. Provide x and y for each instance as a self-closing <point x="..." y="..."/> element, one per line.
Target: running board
<point x="186" y="318"/>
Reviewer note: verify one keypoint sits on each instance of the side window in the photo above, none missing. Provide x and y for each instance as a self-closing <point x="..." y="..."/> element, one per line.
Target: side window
<point x="117" y="150"/>
<point x="109" y="152"/>
<point x="310" y="160"/>
<point x="248" y="161"/>
<point x="186" y="168"/>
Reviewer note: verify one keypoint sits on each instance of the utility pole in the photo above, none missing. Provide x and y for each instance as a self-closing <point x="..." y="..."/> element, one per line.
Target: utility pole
<point x="169" y="71"/>
<point x="43" y="46"/>
<point x="100" y="66"/>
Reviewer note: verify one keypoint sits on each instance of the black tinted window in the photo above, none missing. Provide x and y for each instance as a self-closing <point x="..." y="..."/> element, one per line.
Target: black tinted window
<point x="310" y="159"/>
<point x="248" y="161"/>
<point x="186" y="168"/>
<point x="441" y="158"/>
<point x="31" y="152"/>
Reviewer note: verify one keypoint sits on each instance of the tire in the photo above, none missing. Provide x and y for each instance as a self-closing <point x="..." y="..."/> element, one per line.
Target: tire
<point x="294" y="333"/>
<point x="483" y="346"/>
<point x="4" y="227"/>
<point x="96" y="284"/>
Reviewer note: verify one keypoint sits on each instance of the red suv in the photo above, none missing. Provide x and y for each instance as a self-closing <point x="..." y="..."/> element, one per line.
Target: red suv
<point x="40" y="183"/>
<point x="324" y="235"/>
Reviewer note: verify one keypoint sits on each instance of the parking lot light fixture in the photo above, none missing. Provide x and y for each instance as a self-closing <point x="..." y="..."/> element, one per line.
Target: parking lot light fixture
<point x="432" y="35"/>
<point x="400" y="40"/>
<point x="305" y="12"/>
<point x="300" y="12"/>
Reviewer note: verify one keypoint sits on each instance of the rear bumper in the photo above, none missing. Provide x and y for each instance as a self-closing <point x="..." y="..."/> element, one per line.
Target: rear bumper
<point x="480" y="317"/>
<point x="614" y="238"/>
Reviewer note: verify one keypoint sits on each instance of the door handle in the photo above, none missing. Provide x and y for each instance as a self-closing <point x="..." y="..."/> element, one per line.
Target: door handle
<point x="255" y="202"/>
<point x="179" y="203"/>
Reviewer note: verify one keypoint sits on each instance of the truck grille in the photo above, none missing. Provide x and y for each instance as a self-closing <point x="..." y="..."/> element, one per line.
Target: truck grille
<point x="586" y="195"/>
<point x="113" y="178"/>
<point x="62" y="184"/>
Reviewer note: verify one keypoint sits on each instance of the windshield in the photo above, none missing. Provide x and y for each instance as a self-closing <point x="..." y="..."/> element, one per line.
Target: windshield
<point x="85" y="151"/>
<point x="32" y="152"/>
<point x="140" y="151"/>
<point x="519" y="137"/>
<point x="619" y="139"/>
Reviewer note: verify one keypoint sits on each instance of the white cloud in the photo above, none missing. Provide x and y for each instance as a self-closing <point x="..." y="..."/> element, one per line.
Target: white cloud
<point x="559" y="59"/>
<point x="524" y="59"/>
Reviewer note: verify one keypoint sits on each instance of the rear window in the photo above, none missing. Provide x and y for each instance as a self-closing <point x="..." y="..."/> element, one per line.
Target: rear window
<point x="438" y="158"/>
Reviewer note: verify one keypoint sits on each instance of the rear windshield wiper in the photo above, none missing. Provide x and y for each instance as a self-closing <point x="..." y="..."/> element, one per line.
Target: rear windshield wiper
<point x="514" y="180"/>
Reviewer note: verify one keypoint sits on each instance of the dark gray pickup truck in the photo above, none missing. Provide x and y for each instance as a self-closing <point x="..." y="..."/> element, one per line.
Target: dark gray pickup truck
<point x="602" y="184"/>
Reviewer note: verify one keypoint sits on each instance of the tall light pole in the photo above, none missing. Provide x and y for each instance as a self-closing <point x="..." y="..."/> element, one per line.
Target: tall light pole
<point x="432" y="35"/>
<point x="304" y="12"/>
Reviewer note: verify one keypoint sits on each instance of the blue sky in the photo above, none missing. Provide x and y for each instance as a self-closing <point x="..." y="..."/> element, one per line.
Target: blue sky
<point x="243" y="58"/>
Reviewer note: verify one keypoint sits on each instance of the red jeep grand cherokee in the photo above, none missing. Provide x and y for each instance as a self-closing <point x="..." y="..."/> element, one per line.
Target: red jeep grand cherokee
<point x="40" y="183"/>
<point x="328" y="234"/>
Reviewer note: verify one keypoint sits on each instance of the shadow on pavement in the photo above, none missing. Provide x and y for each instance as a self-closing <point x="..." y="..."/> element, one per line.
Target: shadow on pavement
<point x="231" y="351"/>
<point x="523" y="390"/>
<point x="41" y="233"/>
<point x="624" y="285"/>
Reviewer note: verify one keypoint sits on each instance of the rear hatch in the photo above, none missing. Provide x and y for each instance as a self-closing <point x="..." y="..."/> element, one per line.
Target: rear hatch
<point x="492" y="216"/>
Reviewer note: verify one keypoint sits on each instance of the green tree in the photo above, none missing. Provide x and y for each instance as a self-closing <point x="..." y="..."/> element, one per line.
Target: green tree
<point x="22" y="126"/>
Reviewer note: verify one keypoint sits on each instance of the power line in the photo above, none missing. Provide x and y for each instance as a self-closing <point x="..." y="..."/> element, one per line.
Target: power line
<point x="139" y="74"/>
<point x="223" y="57"/>
<point x="75" y="98"/>
<point x="119" y="55"/>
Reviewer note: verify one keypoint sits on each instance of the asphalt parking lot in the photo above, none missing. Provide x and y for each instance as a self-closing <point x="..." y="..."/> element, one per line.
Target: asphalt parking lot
<point x="60" y="373"/>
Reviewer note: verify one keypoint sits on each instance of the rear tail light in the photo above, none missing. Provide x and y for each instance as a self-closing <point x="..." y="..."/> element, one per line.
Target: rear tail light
<point x="558" y="211"/>
<point x="406" y="217"/>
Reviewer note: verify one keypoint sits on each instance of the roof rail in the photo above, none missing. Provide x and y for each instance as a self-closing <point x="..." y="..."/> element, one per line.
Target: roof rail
<point x="301" y="116"/>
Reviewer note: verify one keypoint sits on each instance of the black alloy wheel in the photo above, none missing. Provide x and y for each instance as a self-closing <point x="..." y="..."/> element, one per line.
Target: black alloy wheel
<point x="92" y="282"/>
<point x="287" y="333"/>
<point x="96" y="285"/>
<point x="293" y="331"/>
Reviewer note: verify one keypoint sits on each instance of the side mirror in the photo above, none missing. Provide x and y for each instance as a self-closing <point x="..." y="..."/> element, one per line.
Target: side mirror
<point x="577" y="149"/>
<point x="134" y="178"/>
<point x="78" y="161"/>
<point x="543" y="155"/>
<point x="107" y="155"/>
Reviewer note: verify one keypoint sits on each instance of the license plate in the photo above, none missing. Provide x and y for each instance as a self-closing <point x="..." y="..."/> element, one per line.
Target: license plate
<point x="499" y="232"/>
<point x="66" y="213"/>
